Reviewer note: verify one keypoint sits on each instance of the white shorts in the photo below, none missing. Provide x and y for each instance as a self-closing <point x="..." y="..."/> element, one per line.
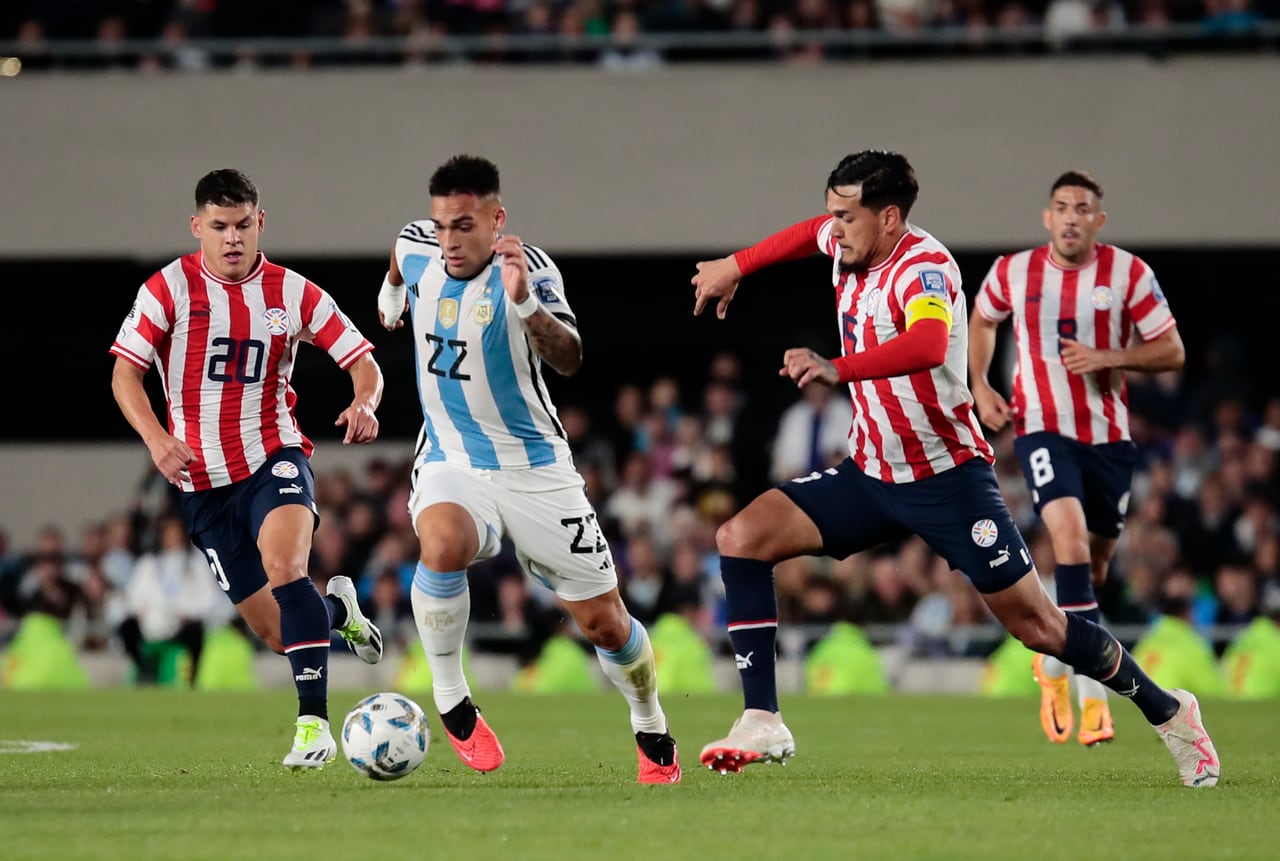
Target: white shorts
<point x="545" y="512"/>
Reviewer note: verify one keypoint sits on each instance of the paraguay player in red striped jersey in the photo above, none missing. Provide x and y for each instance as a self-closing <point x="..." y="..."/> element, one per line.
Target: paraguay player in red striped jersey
<point x="918" y="463"/>
<point x="1083" y="312"/>
<point x="222" y="327"/>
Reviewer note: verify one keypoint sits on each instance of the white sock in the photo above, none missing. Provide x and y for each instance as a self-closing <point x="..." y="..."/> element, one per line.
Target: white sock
<point x="1092" y="689"/>
<point x="441" y="612"/>
<point x="1053" y="668"/>
<point x="632" y="671"/>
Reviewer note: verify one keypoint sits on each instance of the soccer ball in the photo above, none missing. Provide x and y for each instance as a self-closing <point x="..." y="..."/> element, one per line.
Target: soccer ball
<point x="385" y="736"/>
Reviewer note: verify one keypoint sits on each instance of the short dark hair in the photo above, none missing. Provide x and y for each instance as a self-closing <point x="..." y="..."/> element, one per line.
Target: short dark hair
<point x="886" y="178"/>
<point x="1077" y="179"/>
<point x="465" y="174"/>
<point x="226" y="187"/>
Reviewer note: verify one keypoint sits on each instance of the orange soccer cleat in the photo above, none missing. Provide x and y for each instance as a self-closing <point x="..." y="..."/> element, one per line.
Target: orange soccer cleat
<point x="1056" y="718"/>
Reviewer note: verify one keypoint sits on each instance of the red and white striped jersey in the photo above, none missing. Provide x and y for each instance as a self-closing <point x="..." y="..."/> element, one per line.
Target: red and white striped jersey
<point x="1112" y="302"/>
<point x="225" y="354"/>
<point x="909" y="427"/>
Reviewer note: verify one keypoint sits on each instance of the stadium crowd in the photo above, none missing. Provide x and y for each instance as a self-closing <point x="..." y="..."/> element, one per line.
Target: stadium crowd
<point x="622" y="24"/>
<point x="671" y="463"/>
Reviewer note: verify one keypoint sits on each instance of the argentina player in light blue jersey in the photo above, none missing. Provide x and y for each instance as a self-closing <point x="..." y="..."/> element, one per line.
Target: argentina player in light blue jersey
<point x="486" y="312"/>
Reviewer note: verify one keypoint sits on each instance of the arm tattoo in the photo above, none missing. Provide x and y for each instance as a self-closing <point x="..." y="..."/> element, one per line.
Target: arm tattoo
<point x="555" y="341"/>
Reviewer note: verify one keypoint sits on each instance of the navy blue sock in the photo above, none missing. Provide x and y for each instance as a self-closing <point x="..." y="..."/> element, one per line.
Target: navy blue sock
<point x="751" y="609"/>
<point x="304" y="630"/>
<point x="1094" y="652"/>
<point x="1075" y="590"/>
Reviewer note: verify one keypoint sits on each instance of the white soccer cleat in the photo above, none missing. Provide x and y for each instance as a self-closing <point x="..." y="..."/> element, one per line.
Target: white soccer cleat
<point x="1185" y="736"/>
<point x="313" y="745"/>
<point x="362" y="636"/>
<point x="757" y="736"/>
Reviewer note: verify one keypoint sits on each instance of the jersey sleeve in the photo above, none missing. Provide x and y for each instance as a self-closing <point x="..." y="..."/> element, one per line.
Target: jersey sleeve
<point x="330" y="329"/>
<point x="547" y="285"/>
<point x="416" y="247"/>
<point x="1147" y="304"/>
<point x="147" y="325"/>
<point x="993" y="301"/>
<point x="927" y="288"/>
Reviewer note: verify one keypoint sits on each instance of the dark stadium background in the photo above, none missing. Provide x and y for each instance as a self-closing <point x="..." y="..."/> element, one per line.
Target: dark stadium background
<point x="635" y="313"/>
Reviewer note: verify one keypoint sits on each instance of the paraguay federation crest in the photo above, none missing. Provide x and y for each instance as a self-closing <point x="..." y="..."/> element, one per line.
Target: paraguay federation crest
<point x="984" y="533"/>
<point x="1102" y="297"/>
<point x="276" y="320"/>
<point x="284" y="469"/>
<point x="447" y="312"/>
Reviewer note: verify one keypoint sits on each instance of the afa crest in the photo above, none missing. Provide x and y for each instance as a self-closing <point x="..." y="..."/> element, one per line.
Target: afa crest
<point x="447" y="312"/>
<point x="483" y="312"/>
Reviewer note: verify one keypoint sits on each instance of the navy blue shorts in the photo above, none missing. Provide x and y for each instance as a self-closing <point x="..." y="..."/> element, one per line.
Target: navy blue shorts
<point x="1098" y="475"/>
<point x="959" y="513"/>
<point x="224" y="522"/>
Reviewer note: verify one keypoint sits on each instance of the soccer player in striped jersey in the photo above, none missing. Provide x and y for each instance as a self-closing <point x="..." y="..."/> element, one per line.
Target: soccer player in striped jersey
<point x="918" y="462"/>
<point x="1083" y="312"/>
<point x="222" y="327"/>
<point x="486" y="312"/>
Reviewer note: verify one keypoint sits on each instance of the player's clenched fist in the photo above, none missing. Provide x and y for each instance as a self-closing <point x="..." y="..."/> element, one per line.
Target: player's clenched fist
<point x="171" y="456"/>
<point x="361" y="424"/>
<point x="805" y="367"/>
<point x="515" y="267"/>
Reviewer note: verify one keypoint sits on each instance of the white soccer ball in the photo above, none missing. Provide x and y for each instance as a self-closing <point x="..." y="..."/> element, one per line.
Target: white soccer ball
<point x="385" y="736"/>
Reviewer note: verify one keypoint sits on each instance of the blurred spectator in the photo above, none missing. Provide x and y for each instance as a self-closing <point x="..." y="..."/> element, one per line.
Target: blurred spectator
<point x="1172" y="652"/>
<point x="813" y="433"/>
<point x="172" y="597"/>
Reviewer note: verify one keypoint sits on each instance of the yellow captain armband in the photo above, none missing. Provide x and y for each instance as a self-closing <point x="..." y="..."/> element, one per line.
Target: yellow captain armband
<point x="926" y="307"/>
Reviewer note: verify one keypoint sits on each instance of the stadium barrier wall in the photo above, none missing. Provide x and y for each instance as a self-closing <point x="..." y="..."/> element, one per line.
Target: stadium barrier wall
<point x="679" y="158"/>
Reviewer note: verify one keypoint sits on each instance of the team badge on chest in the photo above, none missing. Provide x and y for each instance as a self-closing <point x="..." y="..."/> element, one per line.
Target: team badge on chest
<point x="483" y="312"/>
<point x="276" y="320"/>
<point x="447" y="312"/>
<point x="1102" y="297"/>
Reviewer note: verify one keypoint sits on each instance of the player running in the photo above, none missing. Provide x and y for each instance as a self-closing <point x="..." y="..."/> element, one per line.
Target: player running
<point x="222" y="327"/>
<point x="1083" y="313"/>
<point x="486" y="312"/>
<point x="918" y="463"/>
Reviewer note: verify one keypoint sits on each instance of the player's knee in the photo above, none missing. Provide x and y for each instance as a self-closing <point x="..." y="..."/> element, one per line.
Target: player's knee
<point x="607" y="626"/>
<point x="736" y="538"/>
<point x="284" y="567"/>
<point x="442" y="551"/>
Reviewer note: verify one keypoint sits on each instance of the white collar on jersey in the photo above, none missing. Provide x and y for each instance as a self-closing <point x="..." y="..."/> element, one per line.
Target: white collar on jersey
<point x="253" y="273"/>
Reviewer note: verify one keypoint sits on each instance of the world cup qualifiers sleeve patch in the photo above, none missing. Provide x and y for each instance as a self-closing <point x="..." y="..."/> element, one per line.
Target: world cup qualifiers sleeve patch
<point x="934" y="282"/>
<point x="1156" y="291"/>
<point x="545" y="289"/>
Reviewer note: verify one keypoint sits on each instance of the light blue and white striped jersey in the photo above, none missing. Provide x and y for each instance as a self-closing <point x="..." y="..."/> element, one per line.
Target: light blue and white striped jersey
<point x="484" y="402"/>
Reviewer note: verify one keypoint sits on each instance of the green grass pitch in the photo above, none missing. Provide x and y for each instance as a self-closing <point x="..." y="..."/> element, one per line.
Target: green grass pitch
<point x="181" y="775"/>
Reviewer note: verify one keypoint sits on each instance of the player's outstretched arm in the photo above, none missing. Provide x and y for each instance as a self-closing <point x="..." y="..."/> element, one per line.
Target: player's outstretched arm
<point x="169" y="454"/>
<point x="359" y="418"/>
<point x="393" y="299"/>
<point x="993" y="409"/>
<point x="555" y="341"/>
<point x="718" y="279"/>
